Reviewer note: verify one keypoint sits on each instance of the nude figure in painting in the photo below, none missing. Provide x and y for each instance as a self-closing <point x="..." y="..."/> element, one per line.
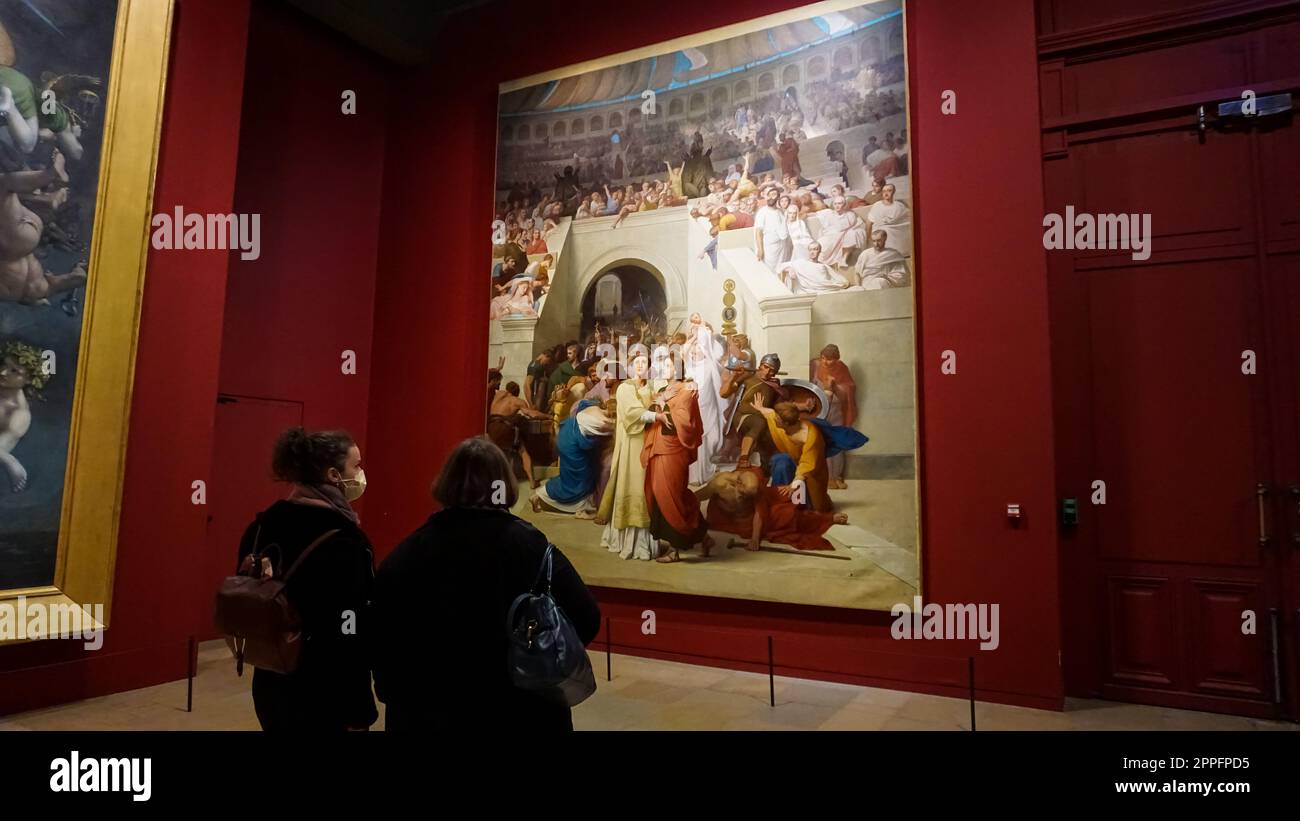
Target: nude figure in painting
<point x="741" y="502"/>
<point x="506" y="416"/>
<point x="20" y="372"/>
<point x="22" y="278"/>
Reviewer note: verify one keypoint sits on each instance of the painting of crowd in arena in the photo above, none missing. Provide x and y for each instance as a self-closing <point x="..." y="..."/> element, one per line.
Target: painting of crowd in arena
<point x="54" y="63"/>
<point x="701" y="347"/>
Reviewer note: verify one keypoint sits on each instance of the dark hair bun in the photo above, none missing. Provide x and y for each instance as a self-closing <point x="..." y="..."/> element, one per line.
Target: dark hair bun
<point x="304" y="457"/>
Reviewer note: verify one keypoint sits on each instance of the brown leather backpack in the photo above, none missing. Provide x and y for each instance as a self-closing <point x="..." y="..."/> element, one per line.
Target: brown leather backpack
<point x="255" y="615"/>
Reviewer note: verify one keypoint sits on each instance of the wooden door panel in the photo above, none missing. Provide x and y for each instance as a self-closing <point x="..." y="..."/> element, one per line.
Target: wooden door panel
<point x="1149" y="356"/>
<point x="1176" y="425"/>
<point x="1173" y="413"/>
<point x="1285" y="290"/>
<point x="1072" y="16"/>
<point x="1142" y="618"/>
<point x="1224" y="660"/>
<point x="1189" y="187"/>
<point x="1279" y="50"/>
<point x="1159" y="73"/>
<point x="1279" y="150"/>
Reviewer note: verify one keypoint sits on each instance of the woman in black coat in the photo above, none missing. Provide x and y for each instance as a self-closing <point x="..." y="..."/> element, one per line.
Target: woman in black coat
<point x="330" y="690"/>
<point x="441" y="599"/>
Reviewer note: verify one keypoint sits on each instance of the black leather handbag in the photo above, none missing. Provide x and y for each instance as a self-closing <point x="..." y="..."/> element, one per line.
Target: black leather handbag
<point x="545" y="655"/>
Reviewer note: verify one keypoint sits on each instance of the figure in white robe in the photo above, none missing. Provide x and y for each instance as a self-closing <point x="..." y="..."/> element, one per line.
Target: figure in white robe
<point x="703" y="356"/>
<point x="812" y="276"/>
<point x="843" y="232"/>
<point x="771" y="234"/>
<point x="895" y="219"/>
<point x="515" y="300"/>
<point x="623" y="509"/>
<point x="881" y="267"/>
<point x="800" y="237"/>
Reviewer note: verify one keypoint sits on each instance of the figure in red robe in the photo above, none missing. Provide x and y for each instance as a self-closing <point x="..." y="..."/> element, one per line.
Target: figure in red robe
<point x="788" y="152"/>
<point x="832" y="374"/>
<point x="670" y="447"/>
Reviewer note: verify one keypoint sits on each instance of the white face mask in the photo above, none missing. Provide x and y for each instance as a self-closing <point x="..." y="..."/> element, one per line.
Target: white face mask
<point x="354" y="487"/>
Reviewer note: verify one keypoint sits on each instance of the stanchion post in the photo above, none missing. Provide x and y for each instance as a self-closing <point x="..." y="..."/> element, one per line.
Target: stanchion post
<point x="970" y="674"/>
<point x="190" y="653"/>
<point x="771" y="674"/>
<point x="609" y="653"/>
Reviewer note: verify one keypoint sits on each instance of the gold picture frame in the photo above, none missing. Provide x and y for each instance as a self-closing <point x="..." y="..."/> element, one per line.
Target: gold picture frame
<point x="93" y="478"/>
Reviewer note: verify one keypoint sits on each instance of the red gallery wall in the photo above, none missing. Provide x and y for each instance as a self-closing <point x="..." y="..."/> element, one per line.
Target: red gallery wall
<point x="314" y="175"/>
<point x="986" y="432"/>
<point x="161" y="532"/>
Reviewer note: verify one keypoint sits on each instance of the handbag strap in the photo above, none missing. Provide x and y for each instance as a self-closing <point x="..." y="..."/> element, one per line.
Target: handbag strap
<point x="523" y="597"/>
<point x="514" y="607"/>
<point x="302" y="557"/>
<point x="545" y="568"/>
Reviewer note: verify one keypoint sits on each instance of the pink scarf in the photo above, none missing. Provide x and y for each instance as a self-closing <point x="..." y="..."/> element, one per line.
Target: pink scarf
<point x="323" y="495"/>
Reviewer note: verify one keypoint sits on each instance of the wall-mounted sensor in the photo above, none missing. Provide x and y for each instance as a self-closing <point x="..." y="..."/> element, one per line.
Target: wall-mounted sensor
<point x="1013" y="514"/>
<point x="1070" y="512"/>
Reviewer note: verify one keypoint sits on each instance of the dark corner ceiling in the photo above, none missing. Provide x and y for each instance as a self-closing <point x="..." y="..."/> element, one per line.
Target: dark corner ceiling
<point x="402" y="31"/>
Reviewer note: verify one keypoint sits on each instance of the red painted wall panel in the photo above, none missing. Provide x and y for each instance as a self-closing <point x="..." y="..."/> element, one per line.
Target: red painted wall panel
<point x="986" y="431"/>
<point x="314" y="175"/>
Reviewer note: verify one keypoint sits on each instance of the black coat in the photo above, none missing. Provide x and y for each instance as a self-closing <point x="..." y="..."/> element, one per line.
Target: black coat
<point x="439" y="617"/>
<point x="330" y="690"/>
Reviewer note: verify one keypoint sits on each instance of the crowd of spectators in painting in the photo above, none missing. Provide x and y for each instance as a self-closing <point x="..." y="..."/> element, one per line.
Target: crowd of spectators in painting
<point x="750" y="173"/>
<point x="645" y="145"/>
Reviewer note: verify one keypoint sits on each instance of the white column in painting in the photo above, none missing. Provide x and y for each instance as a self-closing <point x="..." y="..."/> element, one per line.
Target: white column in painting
<point x="516" y="346"/>
<point x="788" y="322"/>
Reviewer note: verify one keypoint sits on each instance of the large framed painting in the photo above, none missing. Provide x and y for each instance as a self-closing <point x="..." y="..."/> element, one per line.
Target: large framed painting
<point x="702" y="353"/>
<point x="81" y="95"/>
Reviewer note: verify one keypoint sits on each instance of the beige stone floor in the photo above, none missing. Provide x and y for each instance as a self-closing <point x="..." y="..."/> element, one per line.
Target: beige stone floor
<point x="647" y="694"/>
<point x="875" y="577"/>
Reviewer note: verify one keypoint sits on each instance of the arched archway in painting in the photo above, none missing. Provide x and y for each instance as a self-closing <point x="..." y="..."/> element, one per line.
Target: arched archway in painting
<point x="622" y="297"/>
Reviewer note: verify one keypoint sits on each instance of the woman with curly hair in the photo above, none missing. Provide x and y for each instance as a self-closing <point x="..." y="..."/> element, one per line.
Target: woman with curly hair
<point x="330" y="691"/>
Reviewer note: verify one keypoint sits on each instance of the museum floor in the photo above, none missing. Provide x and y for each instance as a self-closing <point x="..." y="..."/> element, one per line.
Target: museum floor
<point x="651" y="695"/>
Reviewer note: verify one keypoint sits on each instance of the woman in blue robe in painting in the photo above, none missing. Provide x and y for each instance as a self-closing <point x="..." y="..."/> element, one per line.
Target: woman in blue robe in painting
<point x="578" y="444"/>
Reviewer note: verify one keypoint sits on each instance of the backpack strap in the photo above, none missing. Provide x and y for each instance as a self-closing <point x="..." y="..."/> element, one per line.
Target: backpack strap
<point x="254" y="558"/>
<point x="251" y="563"/>
<point x="302" y="557"/>
<point x="259" y="553"/>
